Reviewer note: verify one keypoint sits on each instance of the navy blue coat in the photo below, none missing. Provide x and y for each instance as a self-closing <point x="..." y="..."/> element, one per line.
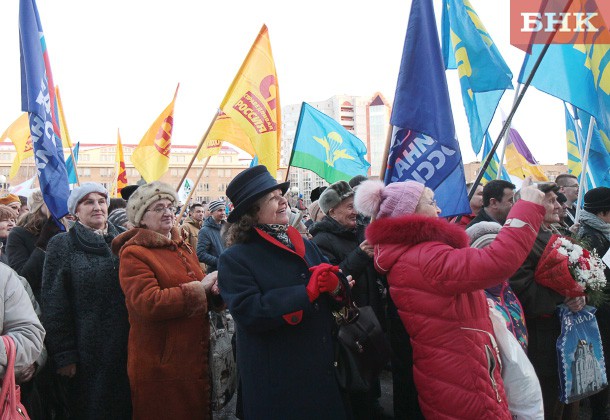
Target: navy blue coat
<point x="285" y="347"/>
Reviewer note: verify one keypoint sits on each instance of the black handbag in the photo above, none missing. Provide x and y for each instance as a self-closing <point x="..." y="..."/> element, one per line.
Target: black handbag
<point x="362" y="350"/>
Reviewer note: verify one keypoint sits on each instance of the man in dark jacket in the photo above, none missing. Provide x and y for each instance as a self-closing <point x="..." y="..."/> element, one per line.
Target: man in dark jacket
<point x="341" y="238"/>
<point x="540" y="307"/>
<point x="498" y="198"/>
<point x="595" y="233"/>
<point x="209" y="243"/>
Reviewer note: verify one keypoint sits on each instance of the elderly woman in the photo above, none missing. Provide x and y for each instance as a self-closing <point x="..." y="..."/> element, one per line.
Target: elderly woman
<point x="167" y="298"/>
<point x="8" y="219"/>
<point x="83" y="310"/>
<point x="540" y="307"/>
<point x="282" y="313"/>
<point x="341" y="239"/>
<point x="436" y="282"/>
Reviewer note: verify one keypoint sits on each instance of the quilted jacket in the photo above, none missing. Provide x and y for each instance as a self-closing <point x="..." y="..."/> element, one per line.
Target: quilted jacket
<point x="436" y="282"/>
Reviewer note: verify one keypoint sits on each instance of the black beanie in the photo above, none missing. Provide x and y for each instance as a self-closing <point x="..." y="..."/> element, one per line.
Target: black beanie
<point x="597" y="200"/>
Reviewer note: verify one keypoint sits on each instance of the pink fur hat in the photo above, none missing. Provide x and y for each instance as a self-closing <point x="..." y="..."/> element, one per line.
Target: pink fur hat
<point x="373" y="198"/>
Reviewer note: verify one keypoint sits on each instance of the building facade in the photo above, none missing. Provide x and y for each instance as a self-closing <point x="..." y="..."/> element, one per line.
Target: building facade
<point x="96" y="163"/>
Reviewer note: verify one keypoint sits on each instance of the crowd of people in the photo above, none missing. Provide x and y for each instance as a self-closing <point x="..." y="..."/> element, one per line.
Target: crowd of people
<point x="111" y="311"/>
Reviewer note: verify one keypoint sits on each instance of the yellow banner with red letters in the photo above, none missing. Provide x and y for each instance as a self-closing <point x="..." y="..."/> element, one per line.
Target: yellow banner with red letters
<point x="253" y="102"/>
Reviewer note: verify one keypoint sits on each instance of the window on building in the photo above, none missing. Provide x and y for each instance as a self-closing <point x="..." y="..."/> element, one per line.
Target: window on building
<point x="174" y="172"/>
<point x="83" y="157"/>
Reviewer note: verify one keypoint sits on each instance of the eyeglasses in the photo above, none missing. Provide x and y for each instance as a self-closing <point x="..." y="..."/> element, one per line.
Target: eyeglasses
<point x="162" y="210"/>
<point x="433" y="203"/>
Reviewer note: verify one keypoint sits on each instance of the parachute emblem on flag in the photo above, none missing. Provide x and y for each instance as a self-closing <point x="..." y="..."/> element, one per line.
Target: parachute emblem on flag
<point x="164" y="135"/>
<point x="331" y="146"/>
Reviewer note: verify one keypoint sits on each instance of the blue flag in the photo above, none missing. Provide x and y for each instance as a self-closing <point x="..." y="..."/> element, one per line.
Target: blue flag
<point x="70" y="167"/>
<point x="598" y="162"/>
<point x="574" y="146"/>
<point x="484" y="76"/>
<point x="576" y="74"/>
<point x="424" y="146"/>
<point x="492" y="170"/>
<point x="38" y="99"/>
<point x="323" y="146"/>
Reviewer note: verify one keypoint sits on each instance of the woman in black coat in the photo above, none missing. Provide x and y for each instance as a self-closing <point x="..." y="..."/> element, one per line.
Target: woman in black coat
<point x="84" y="311"/>
<point x="340" y="236"/>
<point x="283" y="314"/>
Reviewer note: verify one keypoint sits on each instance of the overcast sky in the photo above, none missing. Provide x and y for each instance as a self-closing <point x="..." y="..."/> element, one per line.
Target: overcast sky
<point x="117" y="63"/>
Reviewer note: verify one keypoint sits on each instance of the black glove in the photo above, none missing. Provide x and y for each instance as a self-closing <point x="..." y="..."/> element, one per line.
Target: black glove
<point x="49" y="229"/>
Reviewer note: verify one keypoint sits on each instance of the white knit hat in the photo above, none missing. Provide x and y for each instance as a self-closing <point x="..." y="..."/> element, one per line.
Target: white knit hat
<point x="79" y="193"/>
<point x="483" y="233"/>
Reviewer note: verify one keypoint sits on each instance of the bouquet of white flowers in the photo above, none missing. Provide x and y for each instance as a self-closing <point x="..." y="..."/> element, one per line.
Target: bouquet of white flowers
<point x="572" y="270"/>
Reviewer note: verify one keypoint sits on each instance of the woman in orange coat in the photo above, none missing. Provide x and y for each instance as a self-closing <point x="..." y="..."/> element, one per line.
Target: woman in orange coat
<point x="167" y="299"/>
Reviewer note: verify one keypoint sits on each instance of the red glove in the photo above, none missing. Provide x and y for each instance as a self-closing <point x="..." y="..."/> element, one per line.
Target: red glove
<point x="326" y="277"/>
<point x="312" y="288"/>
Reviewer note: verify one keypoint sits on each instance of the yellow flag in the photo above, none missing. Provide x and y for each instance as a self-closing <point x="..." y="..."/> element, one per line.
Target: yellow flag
<point x="518" y="165"/>
<point x="19" y="133"/>
<point x="224" y="129"/>
<point x="119" y="161"/>
<point x="253" y="102"/>
<point x="63" y="127"/>
<point x="151" y="156"/>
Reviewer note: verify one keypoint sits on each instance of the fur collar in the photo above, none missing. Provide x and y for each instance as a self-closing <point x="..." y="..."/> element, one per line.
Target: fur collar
<point x="413" y="229"/>
<point x="148" y="239"/>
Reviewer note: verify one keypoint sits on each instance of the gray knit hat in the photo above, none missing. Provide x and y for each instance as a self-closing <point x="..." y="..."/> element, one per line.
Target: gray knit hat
<point x="334" y="195"/>
<point x="215" y="205"/>
<point x="144" y="196"/>
<point x="79" y="193"/>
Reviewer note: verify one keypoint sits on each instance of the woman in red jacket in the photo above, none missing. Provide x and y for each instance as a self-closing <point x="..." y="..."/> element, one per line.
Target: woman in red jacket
<point x="437" y="282"/>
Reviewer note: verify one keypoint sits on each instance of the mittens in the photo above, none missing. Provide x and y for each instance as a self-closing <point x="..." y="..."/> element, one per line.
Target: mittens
<point x="312" y="288"/>
<point x="325" y="276"/>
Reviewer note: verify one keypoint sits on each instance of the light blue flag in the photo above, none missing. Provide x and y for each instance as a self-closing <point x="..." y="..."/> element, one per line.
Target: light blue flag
<point x="323" y="146"/>
<point x="484" y="76"/>
<point x="573" y="144"/>
<point x="578" y="74"/>
<point x="254" y="161"/>
<point x="424" y="146"/>
<point x="70" y="167"/>
<point x="492" y="170"/>
<point x="598" y="162"/>
<point x="38" y="100"/>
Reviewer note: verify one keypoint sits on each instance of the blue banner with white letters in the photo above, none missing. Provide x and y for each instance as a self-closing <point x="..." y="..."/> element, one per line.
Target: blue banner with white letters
<point x="38" y="99"/>
<point x="424" y="145"/>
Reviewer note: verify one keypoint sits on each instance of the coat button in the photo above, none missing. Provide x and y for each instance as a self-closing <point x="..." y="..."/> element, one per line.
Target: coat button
<point x="303" y="275"/>
<point x="316" y="306"/>
<point x="324" y="339"/>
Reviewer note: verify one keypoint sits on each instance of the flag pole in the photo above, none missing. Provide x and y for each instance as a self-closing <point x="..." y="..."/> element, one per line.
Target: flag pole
<point x="583" y="172"/>
<point x="186" y="202"/>
<point x="501" y="162"/>
<point x="294" y="142"/>
<point x="63" y="116"/>
<point x="508" y="121"/>
<point x="188" y="168"/>
<point x="386" y="153"/>
<point x="579" y="143"/>
<point x="517" y="102"/>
